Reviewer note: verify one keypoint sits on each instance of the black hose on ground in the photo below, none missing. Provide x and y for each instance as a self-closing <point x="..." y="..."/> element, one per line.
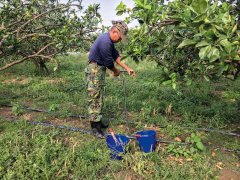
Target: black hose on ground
<point x="85" y="116"/>
<point x="86" y="131"/>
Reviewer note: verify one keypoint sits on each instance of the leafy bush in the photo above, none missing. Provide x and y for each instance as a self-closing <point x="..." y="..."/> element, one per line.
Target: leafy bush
<point x="186" y="38"/>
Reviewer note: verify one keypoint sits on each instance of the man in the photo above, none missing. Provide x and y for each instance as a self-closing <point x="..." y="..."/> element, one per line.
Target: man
<point x="103" y="55"/>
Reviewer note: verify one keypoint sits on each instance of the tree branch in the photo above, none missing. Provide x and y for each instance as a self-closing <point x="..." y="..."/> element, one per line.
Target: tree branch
<point x="28" y="57"/>
<point x="34" y="34"/>
<point x="42" y="14"/>
<point x="162" y="24"/>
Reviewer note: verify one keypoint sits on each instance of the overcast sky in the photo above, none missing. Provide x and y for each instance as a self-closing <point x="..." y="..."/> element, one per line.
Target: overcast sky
<point x="107" y="9"/>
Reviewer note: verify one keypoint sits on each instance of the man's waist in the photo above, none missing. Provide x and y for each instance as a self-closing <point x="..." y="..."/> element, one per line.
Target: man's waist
<point x="95" y="62"/>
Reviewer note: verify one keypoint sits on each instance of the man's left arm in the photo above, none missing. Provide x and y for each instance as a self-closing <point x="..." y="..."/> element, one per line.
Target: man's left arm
<point x="130" y="71"/>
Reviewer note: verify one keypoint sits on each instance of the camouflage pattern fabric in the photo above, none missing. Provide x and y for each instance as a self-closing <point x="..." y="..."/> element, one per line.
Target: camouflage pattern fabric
<point x="95" y="79"/>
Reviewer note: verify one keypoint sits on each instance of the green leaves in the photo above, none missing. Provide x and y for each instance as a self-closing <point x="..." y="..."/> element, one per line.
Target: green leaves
<point x="204" y="51"/>
<point x="234" y="28"/>
<point x="196" y="141"/>
<point x="195" y="146"/>
<point x="143" y="4"/>
<point x="186" y="42"/>
<point x="226" y="18"/>
<point x="42" y="29"/>
<point x="202" y="43"/>
<point x="191" y="37"/>
<point x="200" y="146"/>
<point x="199" y="6"/>
<point x="121" y="8"/>
<point x="213" y="54"/>
<point x="17" y="109"/>
<point x="226" y="45"/>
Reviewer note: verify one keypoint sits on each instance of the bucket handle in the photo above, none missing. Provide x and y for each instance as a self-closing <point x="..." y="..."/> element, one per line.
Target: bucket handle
<point x="139" y="135"/>
<point x="113" y="136"/>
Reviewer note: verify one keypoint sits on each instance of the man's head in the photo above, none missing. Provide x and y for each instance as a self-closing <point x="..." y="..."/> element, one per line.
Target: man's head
<point x="118" y="31"/>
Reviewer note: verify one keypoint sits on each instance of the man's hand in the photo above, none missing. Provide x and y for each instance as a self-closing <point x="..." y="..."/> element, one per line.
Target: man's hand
<point x="131" y="72"/>
<point x="116" y="72"/>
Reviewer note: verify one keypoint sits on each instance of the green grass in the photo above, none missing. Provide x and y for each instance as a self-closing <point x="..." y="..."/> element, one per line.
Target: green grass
<point x="35" y="152"/>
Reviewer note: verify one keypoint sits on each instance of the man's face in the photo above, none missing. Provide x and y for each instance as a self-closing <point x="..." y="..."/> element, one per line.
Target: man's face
<point x="117" y="36"/>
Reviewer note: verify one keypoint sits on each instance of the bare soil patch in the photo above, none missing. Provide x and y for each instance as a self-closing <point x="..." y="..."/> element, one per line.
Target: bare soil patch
<point x="54" y="81"/>
<point x="17" y="81"/>
<point x="228" y="174"/>
<point x="6" y="112"/>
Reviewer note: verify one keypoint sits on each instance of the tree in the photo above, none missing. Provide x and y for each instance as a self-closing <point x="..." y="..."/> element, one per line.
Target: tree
<point x="38" y="30"/>
<point x="187" y="38"/>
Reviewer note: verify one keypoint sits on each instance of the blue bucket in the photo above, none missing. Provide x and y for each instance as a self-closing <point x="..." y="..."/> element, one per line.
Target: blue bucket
<point x="117" y="148"/>
<point x="146" y="140"/>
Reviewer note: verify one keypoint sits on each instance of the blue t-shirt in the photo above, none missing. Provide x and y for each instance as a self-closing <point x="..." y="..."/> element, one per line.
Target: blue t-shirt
<point x="103" y="51"/>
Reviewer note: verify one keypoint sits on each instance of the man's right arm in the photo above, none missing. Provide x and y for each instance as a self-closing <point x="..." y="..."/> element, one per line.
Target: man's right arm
<point x="116" y="72"/>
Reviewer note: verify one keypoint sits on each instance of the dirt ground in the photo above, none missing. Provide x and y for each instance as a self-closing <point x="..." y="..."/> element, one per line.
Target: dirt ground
<point x="228" y="174"/>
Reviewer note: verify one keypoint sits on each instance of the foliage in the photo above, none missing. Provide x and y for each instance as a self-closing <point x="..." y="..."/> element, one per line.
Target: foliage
<point x="235" y="8"/>
<point x="17" y="109"/>
<point x="196" y="141"/>
<point x="186" y="38"/>
<point x="39" y="30"/>
<point x="53" y="107"/>
<point x="195" y="146"/>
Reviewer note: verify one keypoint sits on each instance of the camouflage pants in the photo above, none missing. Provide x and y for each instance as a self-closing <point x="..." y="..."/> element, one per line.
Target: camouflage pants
<point x="95" y="79"/>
